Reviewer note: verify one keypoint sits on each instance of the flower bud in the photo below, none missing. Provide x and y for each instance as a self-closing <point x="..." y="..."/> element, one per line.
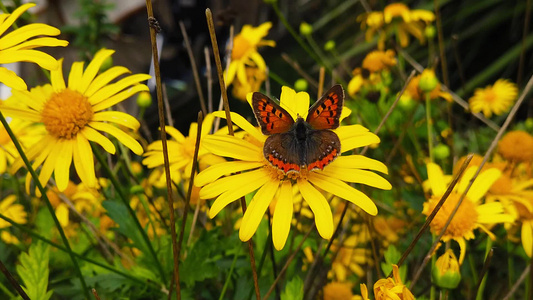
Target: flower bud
<point x="106" y="64"/>
<point x="330" y="45"/>
<point x="144" y="99"/>
<point x="428" y="81"/>
<point x="441" y="151"/>
<point x="446" y="273"/>
<point x="306" y="28"/>
<point x="301" y="85"/>
<point x="430" y="32"/>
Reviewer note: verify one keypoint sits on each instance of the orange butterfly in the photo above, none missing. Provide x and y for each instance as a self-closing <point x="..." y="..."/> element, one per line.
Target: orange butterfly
<point x="298" y="145"/>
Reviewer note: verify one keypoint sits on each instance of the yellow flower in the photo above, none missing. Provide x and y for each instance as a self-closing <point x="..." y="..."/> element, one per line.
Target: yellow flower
<point x="19" y="45"/>
<point x="396" y="19"/>
<point x="414" y="91"/>
<point x="255" y="77"/>
<point x="516" y="146"/>
<point x="351" y="259"/>
<point x="378" y="60"/>
<point x="338" y="291"/>
<point x="471" y="214"/>
<point x="244" y="53"/>
<point x="73" y="115"/>
<point x="256" y="173"/>
<point x="180" y="151"/>
<point x="389" y="288"/>
<point x="13" y="211"/>
<point x="27" y="135"/>
<point x="446" y="273"/>
<point x="496" y="99"/>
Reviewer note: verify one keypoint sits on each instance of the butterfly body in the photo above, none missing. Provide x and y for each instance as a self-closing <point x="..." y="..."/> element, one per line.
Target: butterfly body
<point x="295" y="146"/>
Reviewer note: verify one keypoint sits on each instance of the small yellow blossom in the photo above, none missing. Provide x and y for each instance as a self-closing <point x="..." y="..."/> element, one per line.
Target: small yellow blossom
<point x="337" y="291"/>
<point x="12" y="210"/>
<point x="495" y="99"/>
<point x="414" y="91"/>
<point x="389" y="288"/>
<point x="516" y="146"/>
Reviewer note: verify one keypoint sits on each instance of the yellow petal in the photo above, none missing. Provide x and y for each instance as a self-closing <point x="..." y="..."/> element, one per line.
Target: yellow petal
<point x="436" y="179"/>
<point x="95" y="136"/>
<point x="62" y="167"/>
<point x="360" y="162"/>
<point x="214" y="172"/>
<point x="343" y="190"/>
<point x="61" y="212"/>
<point x="56" y="77"/>
<point x="482" y="183"/>
<point x="234" y="147"/>
<point x="11" y="79"/>
<point x="106" y="103"/>
<point x="75" y="75"/>
<point x="40" y="42"/>
<point x="117" y="117"/>
<point x="11" y="18"/>
<point x="357" y="176"/>
<point x="281" y="221"/>
<point x="320" y="207"/>
<point x="120" y="135"/>
<point x="243" y="124"/>
<point x="93" y="68"/>
<point x="527" y="237"/>
<point x="84" y="160"/>
<point x="233" y="182"/>
<point x="256" y="210"/>
<point x="174" y="133"/>
<point x="104" y="78"/>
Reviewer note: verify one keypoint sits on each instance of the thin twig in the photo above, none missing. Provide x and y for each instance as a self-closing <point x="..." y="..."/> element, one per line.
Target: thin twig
<point x="95" y="294"/>
<point x="159" y="90"/>
<point x="321" y="76"/>
<point x="194" y="68"/>
<point x="168" y="109"/>
<point x="527" y="19"/>
<point x="13" y="282"/>
<point x="442" y="53"/>
<point x="517" y="283"/>
<point x="229" y="49"/>
<point x="299" y="70"/>
<point x="486" y="265"/>
<point x="224" y="95"/>
<point x="209" y="76"/>
<point x="194" y="220"/>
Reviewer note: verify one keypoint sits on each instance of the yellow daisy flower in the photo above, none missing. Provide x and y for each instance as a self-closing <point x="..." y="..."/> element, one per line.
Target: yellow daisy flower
<point x="245" y="53"/>
<point x="180" y="151"/>
<point x="471" y="214"/>
<point x="495" y="99"/>
<point x="255" y="78"/>
<point x="27" y="134"/>
<point x="396" y="19"/>
<point x="516" y="146"/>
<point x="389" y="288"/>
<point x="352" y="258"/>
<point x="337" y="291"/>
<point x="250" y="171"/>
<point x="73" y="114"/>
<point x="18" y="45"/>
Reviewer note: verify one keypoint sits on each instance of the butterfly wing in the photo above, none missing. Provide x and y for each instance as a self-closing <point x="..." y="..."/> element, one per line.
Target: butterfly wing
<point x="271" y="117"/>
<point x="325" y="113"/>
<point x="282" y="151"/>
<point x="322" y="147"/>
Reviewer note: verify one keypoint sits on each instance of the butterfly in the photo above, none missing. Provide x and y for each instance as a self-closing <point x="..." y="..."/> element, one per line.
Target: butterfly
<point x="294" y="146"/>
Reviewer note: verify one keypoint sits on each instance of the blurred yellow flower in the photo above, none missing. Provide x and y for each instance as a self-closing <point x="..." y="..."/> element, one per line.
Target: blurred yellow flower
<point x="256" y="173"/>
<point x="516" y="146"/>
<point x="337" y="291"/>
<point x="495" y="99"/>
<point x="352" y="258"/>
<point x="379" y="60"/>
<point x="73" y="115"/>
<point x="244" y="55"/>
<point x="414" y="91"/>
<point x="396" y="19"/>
<point x="254" y="79"/>
<point x="19" y="45"/>
<point x="12" y="210"/>
<point x="26" y="133"/>
<point x="471" y="214"/>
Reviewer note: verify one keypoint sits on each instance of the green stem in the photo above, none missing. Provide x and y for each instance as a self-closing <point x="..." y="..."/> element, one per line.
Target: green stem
<point x="228" y="277"/>
<point x="48" y="204"/>
<point x="510" y="266"/>
<point x="430" y="131"/>
<point x="479" y="295"/>
<point x="6" y="291"/>
<point x="124" y="200"/>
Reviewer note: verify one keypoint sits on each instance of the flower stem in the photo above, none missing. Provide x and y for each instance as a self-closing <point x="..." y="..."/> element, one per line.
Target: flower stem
<point x="48" y="204"/>
<point x="430" y="127"/>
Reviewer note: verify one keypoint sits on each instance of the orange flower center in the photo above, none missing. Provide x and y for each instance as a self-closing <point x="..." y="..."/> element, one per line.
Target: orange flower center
<point x="240" y="47"/>
<point x="490" y="96"/>
<point x="66" y="113"/>
<point x="462" y="223"/>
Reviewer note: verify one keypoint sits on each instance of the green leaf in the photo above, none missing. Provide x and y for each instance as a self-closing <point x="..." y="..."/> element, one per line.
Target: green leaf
<point x="33" y="270"/>
<point x="202" y="258"/>
<point x="294" y="290"/>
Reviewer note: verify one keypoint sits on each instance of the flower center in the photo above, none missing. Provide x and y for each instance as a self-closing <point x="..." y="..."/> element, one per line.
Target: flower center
<point x="462" y="223"/>
<point x="240" y="47"/>
<point x="66" y="113"/>
<point x="490" y="96"/>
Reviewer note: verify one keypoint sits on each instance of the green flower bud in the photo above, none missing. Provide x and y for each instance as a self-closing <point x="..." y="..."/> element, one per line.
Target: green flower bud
<point x="330" y="45"/>
<point x="144" y="99"/>
<point x="136" y="189"/>
<point x="106" y="64"/>
<point x="446" y="273"/>
<point x="301" y="85"/>
<point x="529" y="124"/>
<point x="428" y="81"/>
<point x="430" y="31"/>
<point x="306" y="28"/>
<point x="406" y="103"/>
<point x="441" y="151"/>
